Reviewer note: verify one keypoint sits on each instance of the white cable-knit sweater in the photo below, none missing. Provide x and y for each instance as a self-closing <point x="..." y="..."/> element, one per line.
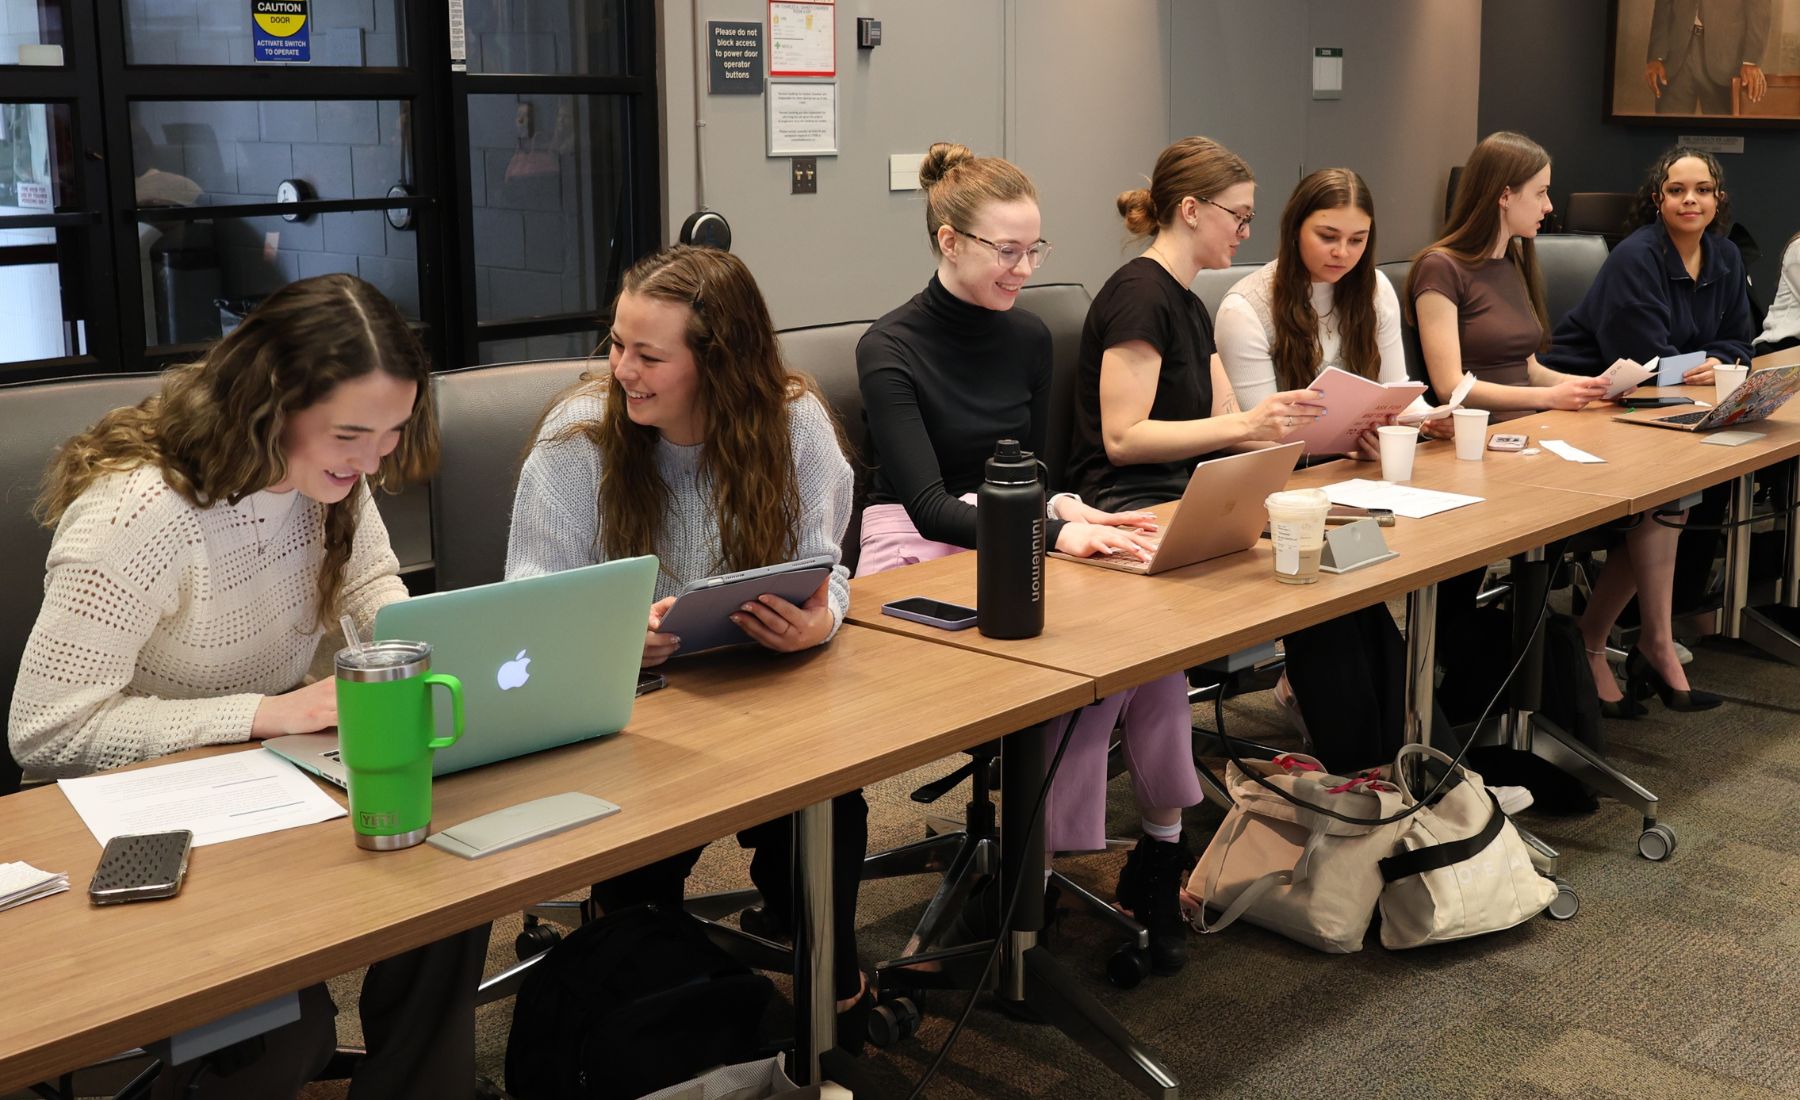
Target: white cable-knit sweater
<point x="164" y="625"/>
<point x="556" y="514"/>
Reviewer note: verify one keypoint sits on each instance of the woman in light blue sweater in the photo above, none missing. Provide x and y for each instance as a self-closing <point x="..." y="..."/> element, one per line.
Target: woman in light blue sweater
<point x="698" y="445"/>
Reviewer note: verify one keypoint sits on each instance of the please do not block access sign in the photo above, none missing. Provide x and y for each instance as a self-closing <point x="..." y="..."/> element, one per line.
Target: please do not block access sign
<point x="280" y="32"/>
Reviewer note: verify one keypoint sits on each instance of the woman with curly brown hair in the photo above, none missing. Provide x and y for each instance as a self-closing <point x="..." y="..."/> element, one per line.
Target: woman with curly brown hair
<point x="698" y="445"/>
<point x="205" y="540"/>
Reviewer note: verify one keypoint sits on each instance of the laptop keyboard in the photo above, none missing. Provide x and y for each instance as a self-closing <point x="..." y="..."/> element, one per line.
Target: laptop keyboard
<point x="1687" y="418"/>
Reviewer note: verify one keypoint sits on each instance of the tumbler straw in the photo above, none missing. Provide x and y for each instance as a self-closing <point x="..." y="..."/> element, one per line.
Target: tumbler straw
<point x="351" y="638"/>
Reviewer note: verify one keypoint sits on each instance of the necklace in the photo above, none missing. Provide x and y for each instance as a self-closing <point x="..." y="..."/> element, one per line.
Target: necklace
<point x="256" y="522"/>
<point x="1167" y="264"/>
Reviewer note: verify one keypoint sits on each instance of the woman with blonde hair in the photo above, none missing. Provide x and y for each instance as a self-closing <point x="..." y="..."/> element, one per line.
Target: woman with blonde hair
<point x="946" y="376"/>
<point x="698" y="444"/>
<point x="206" y="540"/>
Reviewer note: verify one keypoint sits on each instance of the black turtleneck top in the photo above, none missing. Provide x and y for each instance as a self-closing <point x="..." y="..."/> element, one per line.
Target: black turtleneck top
<point x="942" y="382"/>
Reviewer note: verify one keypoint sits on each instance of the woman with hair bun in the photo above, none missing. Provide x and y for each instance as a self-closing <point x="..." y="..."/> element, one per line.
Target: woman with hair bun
<point x="1150" y="401"/>
<point x="944" y="377"/>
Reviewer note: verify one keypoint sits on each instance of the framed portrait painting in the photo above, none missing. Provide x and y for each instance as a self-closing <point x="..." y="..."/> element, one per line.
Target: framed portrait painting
<point x="1734" y="63"/>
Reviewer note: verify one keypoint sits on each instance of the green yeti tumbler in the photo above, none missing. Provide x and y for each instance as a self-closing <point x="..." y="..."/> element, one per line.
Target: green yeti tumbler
<point x="386" y="734"/>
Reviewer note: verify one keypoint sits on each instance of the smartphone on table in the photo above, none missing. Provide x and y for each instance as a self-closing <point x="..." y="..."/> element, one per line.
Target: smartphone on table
<point x="944" y="616"/>
<point x="141" y="866"/>
<point x="1648" y="402"/>
<point x="650" y="680"/>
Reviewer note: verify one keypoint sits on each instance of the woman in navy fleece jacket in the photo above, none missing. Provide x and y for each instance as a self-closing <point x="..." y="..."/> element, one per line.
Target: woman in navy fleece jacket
<point x="1676" y="285"/>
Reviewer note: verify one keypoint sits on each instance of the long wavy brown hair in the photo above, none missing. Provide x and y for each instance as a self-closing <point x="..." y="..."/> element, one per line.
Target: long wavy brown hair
<point x="745" y="394"/>
<point x="1295" y="349"/>
<point x="215" y="427"/>
<point x="1502" y="160"/>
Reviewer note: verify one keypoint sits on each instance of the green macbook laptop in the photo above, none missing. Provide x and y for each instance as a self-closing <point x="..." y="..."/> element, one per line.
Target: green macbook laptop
<point x="544" y="661"/>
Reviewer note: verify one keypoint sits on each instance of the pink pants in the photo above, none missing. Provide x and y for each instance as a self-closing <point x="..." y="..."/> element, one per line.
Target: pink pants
<point x="1157" y="723"/>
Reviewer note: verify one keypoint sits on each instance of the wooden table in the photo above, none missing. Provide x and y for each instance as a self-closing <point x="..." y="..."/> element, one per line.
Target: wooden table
<point x="731" y="742"/>
<point x="1122" y="630"/>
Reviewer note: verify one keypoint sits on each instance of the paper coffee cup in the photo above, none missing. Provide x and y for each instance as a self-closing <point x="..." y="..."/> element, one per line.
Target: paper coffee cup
<point x="1297" y="531"/>
<point x="1471" y="433"/>
<point x="1398" y="442"/>
<point x="1726" y="379"/>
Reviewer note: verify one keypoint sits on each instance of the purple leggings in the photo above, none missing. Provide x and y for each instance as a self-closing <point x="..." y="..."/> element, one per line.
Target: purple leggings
<point x="1157" y="722"/>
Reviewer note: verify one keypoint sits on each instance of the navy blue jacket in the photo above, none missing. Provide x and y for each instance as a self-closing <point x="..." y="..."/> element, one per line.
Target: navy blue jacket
<point x="1643" y="305"/>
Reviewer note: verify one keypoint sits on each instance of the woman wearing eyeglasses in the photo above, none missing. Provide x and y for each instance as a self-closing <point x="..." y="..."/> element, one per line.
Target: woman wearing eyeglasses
<point x="1150" y="400"/>
<point x="943" y="378"/>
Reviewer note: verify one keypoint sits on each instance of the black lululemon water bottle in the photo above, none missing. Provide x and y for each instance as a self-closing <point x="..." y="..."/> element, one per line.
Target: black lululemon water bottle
<point x="1009" y="545"/>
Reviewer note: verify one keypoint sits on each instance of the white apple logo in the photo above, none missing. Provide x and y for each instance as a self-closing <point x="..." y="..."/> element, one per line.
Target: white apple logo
<point x="514" y="673"/>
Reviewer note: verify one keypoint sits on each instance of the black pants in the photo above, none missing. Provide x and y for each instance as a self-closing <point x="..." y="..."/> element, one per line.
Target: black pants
<point x="772" y="871"/>
<point x="418" y="1020"/>
<point x="1349" y="675"/>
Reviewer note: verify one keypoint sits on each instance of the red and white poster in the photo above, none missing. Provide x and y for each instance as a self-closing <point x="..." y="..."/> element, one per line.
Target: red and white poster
<point x="802" y="38"/>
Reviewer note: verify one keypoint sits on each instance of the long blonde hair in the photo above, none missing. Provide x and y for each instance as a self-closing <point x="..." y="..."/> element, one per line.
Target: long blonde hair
<point x="214" y="429"/>
<point x="745" y="394"/>
<point x="1501" y="161"/>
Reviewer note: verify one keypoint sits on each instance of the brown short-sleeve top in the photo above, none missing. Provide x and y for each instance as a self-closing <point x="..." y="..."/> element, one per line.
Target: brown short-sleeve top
<point x="1494" y="320"/>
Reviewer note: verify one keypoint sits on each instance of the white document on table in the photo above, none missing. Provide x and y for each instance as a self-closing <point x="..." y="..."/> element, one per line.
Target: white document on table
<point x="21" y="882"/>
<point x="1564" y="450"/>
<point x="1403" y="500"/>
<point x="224" y="797"/>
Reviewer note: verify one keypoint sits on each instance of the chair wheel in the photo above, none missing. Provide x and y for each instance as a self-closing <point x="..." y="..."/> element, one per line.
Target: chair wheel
<point x="1128" y="966"/>
<point x="1566" y="903"/>
<point x="894" y="1021"/>
<point x="535" y="939"/>
<point x="1656" y="843"/>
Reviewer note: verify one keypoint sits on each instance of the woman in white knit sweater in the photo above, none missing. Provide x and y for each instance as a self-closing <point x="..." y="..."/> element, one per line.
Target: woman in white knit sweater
<point x="698" y="445"/>
<point x="205" y="539"/>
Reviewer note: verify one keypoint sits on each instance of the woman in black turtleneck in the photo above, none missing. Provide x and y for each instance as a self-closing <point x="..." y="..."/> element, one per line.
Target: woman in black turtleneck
<point x="943" y="378"/>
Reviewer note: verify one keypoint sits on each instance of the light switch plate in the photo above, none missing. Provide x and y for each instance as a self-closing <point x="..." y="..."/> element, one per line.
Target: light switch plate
<point x="806" y="176"/>
<point x="903" y="171"/>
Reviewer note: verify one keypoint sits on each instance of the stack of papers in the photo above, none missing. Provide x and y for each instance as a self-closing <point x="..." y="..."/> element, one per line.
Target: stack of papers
<point x="21" y="882"/>
<point x="223" y="797"/>
<point x="1402" y="500"/>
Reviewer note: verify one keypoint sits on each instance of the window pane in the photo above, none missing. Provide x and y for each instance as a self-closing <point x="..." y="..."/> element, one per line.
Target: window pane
<point x="31" y="32"/>
<point x="202" y="276"/>
<point x="563" y="345"/>
<point x="211" y="154"/>
<point x="37" y="159"/>
<point x="348" y="33"/>
<point x="550" y="216"/>
<point x="583" y="37"/>
<point x="36" y="326"/>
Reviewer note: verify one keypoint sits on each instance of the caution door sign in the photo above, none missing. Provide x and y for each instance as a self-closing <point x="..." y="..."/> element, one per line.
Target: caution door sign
<point x="282" y="31"/>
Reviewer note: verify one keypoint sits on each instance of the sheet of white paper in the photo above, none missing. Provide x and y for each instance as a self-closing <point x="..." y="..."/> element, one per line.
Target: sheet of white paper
<point x="21" y="882"/>
<point x="1406" y="501"/>
<point x="1416" y="414"/>
<point x="225" y="797"/>
<point x="1574" y="454"/>
<point x="1671" y="368"/>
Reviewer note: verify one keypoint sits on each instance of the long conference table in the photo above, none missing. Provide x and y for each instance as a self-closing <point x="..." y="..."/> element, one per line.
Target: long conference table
<point x="738" y="740"/>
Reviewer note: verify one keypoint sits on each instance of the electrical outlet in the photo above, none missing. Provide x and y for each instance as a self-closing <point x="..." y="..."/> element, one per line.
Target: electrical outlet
<point x="806" y="175"/>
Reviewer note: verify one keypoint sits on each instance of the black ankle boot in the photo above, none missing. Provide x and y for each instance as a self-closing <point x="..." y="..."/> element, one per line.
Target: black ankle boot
<point x="1150" y="890"/>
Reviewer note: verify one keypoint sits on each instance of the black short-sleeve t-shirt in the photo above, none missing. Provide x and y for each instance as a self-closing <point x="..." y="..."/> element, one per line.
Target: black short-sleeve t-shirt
<point x="1141" y="301"/>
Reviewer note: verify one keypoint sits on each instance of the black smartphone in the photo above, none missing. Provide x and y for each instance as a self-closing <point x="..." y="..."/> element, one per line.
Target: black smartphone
<point x="649" y="681"/>
<point x="944" y="616"/>
<point x="1655" y="402"/>
<point x="141" y="866"/>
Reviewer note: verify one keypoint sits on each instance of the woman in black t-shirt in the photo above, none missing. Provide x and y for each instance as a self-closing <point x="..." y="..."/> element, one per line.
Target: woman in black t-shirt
<point x="1148" y="405"/>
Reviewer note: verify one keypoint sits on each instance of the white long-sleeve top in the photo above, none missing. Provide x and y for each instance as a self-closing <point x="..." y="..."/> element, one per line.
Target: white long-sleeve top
<point x="164" y="625"/>
<point x="1245" y="330"/>
<point x="556" y="513"/>
<point x="1783" y="320"/>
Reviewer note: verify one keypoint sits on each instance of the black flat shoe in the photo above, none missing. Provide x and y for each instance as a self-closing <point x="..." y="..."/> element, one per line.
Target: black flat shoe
<point x="1640" y="675"/>
<point x="759" y="922"/>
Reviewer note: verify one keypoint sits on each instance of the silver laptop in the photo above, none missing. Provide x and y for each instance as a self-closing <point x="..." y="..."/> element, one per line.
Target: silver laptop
<point x="1220" y="513"/>
<point x="1757" y="398"/>
<point x="544" y="661"/>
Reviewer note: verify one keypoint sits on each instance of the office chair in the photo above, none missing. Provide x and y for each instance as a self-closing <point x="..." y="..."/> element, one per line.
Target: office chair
<point x="1607" y="213"/>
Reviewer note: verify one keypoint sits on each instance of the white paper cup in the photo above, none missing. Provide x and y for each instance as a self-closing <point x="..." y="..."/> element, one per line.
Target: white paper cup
<point x="1471" y="433"/>
<point x="1398" y="442"/>
<point x="1726" y="379"/>
<point x="1297" y="530"/>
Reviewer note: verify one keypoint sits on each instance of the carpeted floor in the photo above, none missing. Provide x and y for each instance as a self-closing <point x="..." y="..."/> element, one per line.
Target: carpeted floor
<point x="1677" y="980"/>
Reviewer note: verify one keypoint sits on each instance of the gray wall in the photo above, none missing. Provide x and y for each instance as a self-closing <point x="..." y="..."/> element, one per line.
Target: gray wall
<point x="1542" y="71"/>
<point x="1083" y="103"/>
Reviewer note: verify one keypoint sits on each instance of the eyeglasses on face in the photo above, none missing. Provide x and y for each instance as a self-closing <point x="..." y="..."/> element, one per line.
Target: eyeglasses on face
<point x="1009" y="255"/>
<point x="1243" y="220"/>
